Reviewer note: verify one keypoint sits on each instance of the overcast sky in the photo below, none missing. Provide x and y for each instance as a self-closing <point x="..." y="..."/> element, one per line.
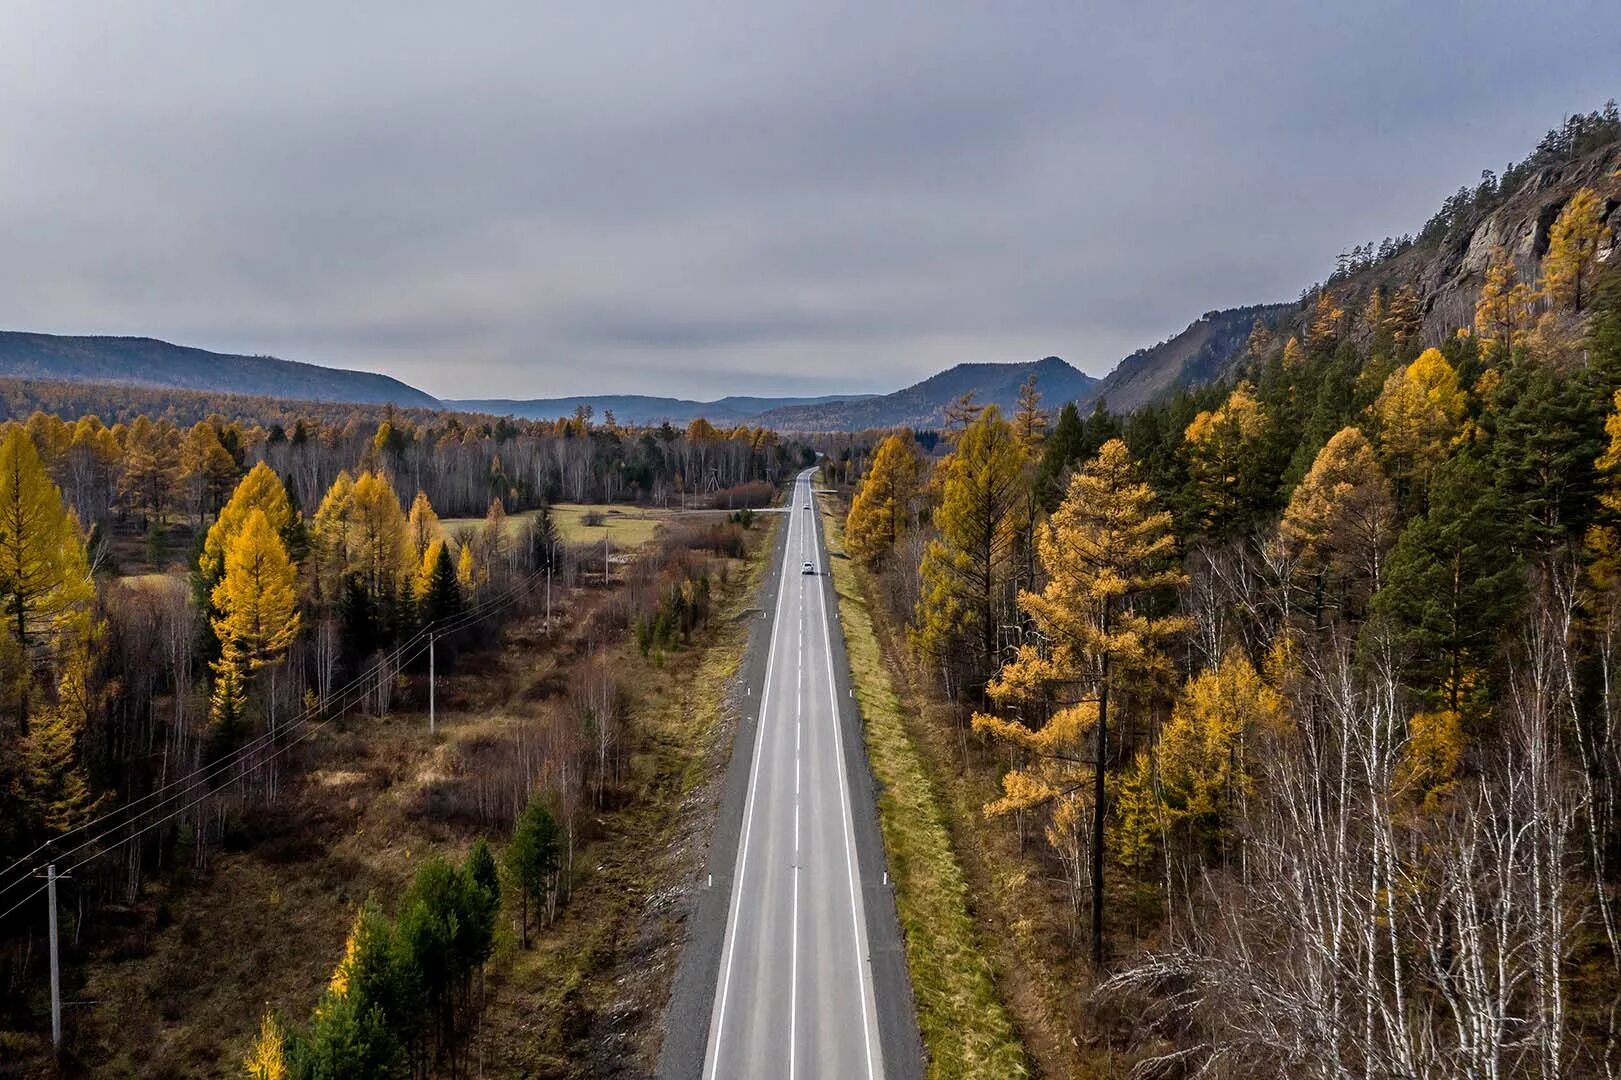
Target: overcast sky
<point x="526" y="199"/>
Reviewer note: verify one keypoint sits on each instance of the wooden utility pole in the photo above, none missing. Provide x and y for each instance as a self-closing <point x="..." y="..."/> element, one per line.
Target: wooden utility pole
<point x="431" y="681"/>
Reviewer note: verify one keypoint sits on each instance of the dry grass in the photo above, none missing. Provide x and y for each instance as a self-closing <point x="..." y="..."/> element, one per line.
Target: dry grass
<point x="180" y="993"/>
<point x="966" y="1030"/>
<point x="625" y="526"/>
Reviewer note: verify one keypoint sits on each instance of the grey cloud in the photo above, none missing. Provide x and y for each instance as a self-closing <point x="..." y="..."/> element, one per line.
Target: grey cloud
<point x="509" y="199"/>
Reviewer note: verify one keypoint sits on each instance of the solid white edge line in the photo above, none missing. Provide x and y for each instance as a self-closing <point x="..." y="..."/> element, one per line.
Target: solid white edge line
<point x="730" y="947"/>
<point x="867" y="993"/>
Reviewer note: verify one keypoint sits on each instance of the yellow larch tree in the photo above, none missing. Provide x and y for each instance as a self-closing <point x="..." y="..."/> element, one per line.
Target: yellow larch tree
<point x="1571" y="263"/>
<point x="267" y="1059"/>
<point x="261" y="489"/>
<point x="379" y="542"/>
<point x="1342" y="517"/>
<point x="1419" y="412"/>
<point x="46" y="593"/>
<point x="1105" y="549"/>
<point x="424" y="526"/>
<point x="1222" y="447"/>
<point x="966" y="569"/>
<point x="882" y="509"/>
<point x="1505" y="312"/>
<point x="1205" y="759"/>
<point x="257" y="599"/>
<point x="1404" y="317"/>
<point x="1293" y="354"/>
<point x="1327" y="320"/>
<point x="329" y="539"/>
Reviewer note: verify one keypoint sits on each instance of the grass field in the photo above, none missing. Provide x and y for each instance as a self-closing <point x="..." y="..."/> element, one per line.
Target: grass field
<point x="625" y="526"/>
<point x="966" y="1030"/>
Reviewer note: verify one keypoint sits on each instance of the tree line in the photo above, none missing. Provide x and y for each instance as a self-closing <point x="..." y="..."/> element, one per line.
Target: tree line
<point x="299" y="603"/>
<point x="1306" y="680"/>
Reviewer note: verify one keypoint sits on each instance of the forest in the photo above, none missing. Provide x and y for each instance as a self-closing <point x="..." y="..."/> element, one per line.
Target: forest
<point x="187" y="608"/>
<point x="1298" y="691"/>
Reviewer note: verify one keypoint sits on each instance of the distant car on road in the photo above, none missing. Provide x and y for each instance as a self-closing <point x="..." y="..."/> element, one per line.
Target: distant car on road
<point x="807" y="506"/>
<point x="809" y="569"/>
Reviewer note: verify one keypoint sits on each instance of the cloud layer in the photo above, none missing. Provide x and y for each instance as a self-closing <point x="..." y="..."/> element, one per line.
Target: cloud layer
<point x="504" y="200"/>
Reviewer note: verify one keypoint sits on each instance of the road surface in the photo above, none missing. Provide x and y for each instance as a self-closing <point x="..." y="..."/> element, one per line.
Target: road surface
<point x="799" y="990"/>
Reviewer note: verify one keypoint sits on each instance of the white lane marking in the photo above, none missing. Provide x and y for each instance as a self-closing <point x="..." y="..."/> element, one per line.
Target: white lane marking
<point x="844" y="805"/>
<point x="730" y="947"/>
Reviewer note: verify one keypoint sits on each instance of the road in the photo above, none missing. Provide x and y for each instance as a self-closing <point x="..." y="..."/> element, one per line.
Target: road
<point x="798" y="990"/>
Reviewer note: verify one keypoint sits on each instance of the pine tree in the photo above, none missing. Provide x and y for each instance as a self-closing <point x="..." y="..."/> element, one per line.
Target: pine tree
<point x="532" y="859"/>
<point x="1571" y="263"/>
<point x="438" y="592"/>
<point x="1105" y="551"/>
<point x="1455" y="582"/>
<point x="543" y="538"/>
<point x="1062" y="449"/>
<point x="882" y="509"/>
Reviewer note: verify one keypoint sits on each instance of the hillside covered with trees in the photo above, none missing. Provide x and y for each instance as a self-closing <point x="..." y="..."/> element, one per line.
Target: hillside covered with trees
<point x="1286" y="705"/>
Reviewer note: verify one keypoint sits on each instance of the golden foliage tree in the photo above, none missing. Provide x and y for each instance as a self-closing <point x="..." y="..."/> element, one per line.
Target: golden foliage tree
<point x="966" y="569"/>
<point x="1419" y="413"/>
<point x="423" y="524"/>
<point x="267" y="1060"/>
<point x="329" y="538"/>
<point x="1504" y="314"/>
<point x="1571" y="263"/>
<point x="1342" y="517"/>
<point x="1404" y="316"/>
<point x="379" y="543"/>
<point x="1029" y="418"/>
<point x="206" y="468"/>
<point x="1293" y="354"/>
<point x="44" y="569"/>
<point x="1104" y="550"/>
<point x="257" y="598"/>
<point x="1327" y="319"/>
<point x="1203" y="769"/>
<point x="882" y="510"/>
<point x="1223" y="447"/>
<point x="45" y="593"/>
<point x="261" y="489"/>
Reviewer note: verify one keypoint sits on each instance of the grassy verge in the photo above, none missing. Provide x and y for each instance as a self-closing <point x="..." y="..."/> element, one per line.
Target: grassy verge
<point x="966" y="1030"/>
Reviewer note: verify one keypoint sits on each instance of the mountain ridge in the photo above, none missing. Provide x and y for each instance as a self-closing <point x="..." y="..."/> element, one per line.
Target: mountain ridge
<point x="151" y="362"/>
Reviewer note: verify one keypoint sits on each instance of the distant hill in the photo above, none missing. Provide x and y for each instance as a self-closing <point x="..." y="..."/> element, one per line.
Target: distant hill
<point x="140" y="361"/>
<point x="1206" y="350"/>
<point x="646" y="409"/>
<point x="923" y="405"/>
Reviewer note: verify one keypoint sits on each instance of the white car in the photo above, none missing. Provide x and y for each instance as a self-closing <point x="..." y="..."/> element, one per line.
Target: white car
<point x="809" y="569"/>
